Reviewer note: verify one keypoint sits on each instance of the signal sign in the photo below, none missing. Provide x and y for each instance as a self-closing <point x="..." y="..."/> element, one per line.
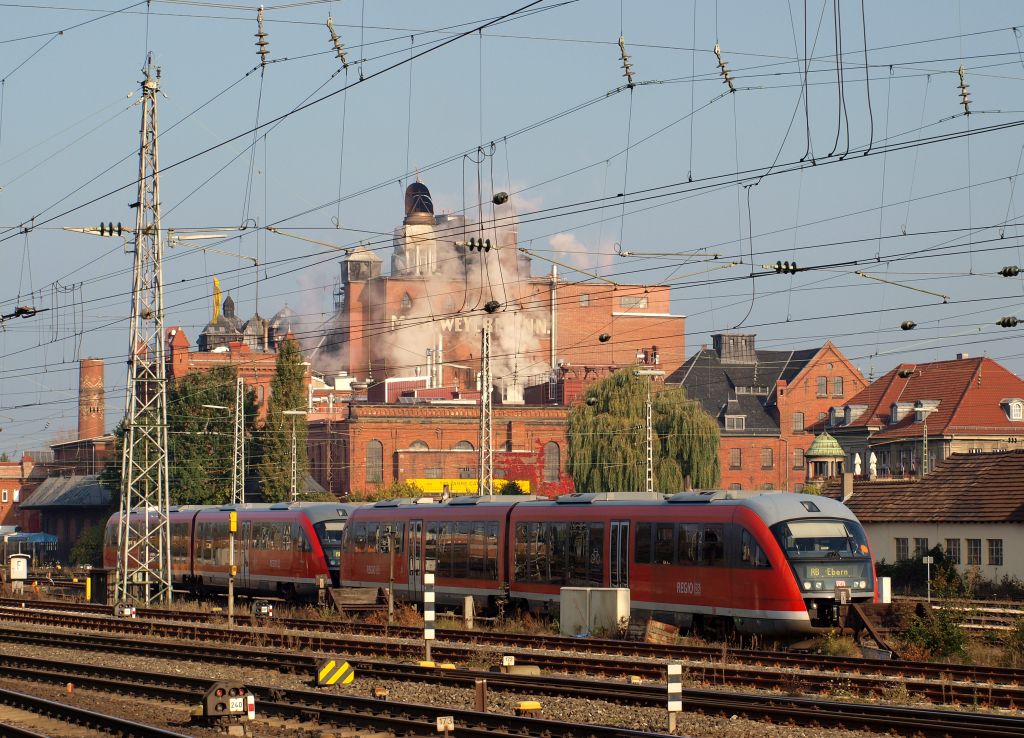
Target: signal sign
<point x="334" y="671"/>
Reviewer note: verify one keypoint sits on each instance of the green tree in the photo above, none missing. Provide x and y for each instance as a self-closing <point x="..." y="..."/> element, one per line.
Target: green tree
<point x="200" y="446"/>
<point x="287" y="392"/>
<point x="88" y="549"/>
<point x="607" y="444"/>
<point x="200" y="440"/>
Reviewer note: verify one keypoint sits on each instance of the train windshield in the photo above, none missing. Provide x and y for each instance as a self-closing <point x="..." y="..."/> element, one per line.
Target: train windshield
<point x="329" y="533"/>
<point x="822" y="539"/>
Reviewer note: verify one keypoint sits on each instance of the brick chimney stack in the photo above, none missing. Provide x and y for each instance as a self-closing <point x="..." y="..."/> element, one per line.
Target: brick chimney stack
<point x="91" y="408"/>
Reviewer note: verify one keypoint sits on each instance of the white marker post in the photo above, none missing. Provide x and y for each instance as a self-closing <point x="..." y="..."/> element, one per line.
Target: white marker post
<point x="675" y="694"/>
<point x="428" y="612"/>
<point x="928" y="561"/>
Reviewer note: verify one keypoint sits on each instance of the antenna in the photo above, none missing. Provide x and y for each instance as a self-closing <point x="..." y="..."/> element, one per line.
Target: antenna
<point x="143" y="542"/>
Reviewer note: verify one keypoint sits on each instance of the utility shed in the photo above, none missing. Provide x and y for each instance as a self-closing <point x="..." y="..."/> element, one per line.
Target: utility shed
<point x="971" y="504"/>
<point x="68" y="506"/>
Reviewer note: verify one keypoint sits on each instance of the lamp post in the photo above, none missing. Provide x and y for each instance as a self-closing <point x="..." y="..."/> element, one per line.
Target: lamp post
<point x="295" y="460"/>
<point x="236" y="471"/>
<point x="649" y="471"/>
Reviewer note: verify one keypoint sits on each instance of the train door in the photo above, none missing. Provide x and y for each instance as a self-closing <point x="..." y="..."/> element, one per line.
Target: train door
<point x="242" y="555"/>
<point x="618" y="554"/>
<point x="415" y="549"/>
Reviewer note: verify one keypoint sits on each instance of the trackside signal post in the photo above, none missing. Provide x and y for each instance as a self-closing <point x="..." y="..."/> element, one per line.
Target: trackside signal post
<point x="232" y="530"/>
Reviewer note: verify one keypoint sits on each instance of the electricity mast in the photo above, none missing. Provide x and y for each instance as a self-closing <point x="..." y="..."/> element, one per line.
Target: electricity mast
<point x="143" y="535"/>
<point x="485" y="482"/>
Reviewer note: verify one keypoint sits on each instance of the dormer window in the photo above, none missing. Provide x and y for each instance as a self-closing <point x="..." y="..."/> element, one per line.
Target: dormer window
<point x="1013" y="407"/>
<point x="735" y="422"/>
<point x="894" y="413"/>
<point x="832" y="417"/>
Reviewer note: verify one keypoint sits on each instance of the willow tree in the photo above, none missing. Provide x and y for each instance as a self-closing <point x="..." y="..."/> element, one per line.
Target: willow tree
<point x="607" y="438"/>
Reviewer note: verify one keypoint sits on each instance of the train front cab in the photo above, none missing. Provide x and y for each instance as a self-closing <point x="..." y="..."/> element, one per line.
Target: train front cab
<point x="827" y="551"/>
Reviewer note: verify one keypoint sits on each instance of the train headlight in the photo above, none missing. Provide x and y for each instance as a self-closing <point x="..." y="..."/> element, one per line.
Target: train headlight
<point x="807" y="585"/>
<point x="818" y="585"/>
<point x="863" y="584"/>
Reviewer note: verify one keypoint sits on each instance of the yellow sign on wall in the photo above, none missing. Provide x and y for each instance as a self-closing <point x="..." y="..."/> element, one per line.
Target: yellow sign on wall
<point x="462" y="486"/>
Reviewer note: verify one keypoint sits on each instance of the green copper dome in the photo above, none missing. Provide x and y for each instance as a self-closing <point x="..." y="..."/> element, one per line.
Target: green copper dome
<point x="825" y="447"/>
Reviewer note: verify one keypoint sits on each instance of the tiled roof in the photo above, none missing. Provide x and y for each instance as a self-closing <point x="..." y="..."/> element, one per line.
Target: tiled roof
<point x="713" y="383"/>
<point x="965" y="488"/>
<point x="73" y="491"/>
<point x="968" y="390"/>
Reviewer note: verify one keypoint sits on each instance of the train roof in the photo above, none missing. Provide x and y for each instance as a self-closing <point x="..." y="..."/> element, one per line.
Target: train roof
<point x="770" y="506"/>
<point x="315" y="511"/>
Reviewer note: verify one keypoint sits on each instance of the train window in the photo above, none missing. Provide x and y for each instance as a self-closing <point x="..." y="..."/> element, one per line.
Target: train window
<point x="492" y="550"/>
<point x="687" y="538"/>
<point x="663" y="535"/>
<point x="477" y="549"/>
<point x="433" y="532"/>
<point x="521" y="558"/>
<point x="751" y="552"/>
<point x="358" y="533"/>
<point x="179" y="542"/>
<point x="643" y="543"/>
<point x="559" y="560"/>
<point x="712" y="548"/>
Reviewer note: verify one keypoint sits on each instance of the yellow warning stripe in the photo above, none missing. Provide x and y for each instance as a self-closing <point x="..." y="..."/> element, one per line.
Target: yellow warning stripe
<point x="327" y="668"/>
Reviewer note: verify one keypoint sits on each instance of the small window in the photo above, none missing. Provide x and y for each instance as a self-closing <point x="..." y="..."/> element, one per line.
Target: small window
<point x="633" y="301"/>
<point x="953" y="550"/>
<point x="767" y="458"/>
<point x="902" y="549"/>
<point x="798" y="422"/>
<point x="751" y="552"/>
<point x="463" y="446"/>
<point x="4" y="498"/>
<point x="974" y="552"/>
<point x="735" y="422"/>
<point x="798" y="458"/>
<point x="467" y="472"/>
<point x="552" y="461"/>
<point x="643" y="543"/>
<point x="419" y="446"/>
<point x="17" y="495"/>
<point x="735" y="486"/>
<point x="822" y="386"/>
<point x="1017" y="411"/>
<point x="735" y="458"/>
<point x="920" y="547"/>
<point x="406" y="302"/>
<point x="584" y="300"/>
<point x="664" y="547"/>
<point x="432" y="472"/>
<point x="374" y="462"/>
<point x="995" y="551"/>
<point x="837" y="386"/>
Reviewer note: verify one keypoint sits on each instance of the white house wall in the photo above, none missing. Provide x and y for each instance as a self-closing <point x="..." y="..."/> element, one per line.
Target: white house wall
<point x="882" y="537"/>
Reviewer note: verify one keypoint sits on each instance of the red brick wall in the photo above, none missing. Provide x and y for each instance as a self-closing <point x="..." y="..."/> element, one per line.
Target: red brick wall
<point x="751" y="474"/>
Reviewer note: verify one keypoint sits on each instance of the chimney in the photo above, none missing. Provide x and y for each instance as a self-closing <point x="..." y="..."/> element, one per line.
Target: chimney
<point x="735" y="348"/>
<point x="847" y="486"/>
<point x="91" y="408"/>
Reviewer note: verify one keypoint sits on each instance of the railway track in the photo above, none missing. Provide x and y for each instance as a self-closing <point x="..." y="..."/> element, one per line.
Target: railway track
<point x="404" y="718"/>
<point x="84" y="717"/>
<point x="611" y="691"/>
<point x="720" y="661"/>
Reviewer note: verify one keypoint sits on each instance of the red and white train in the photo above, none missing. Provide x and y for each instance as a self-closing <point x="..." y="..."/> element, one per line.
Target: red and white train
<point x="281" y="549"/>
<point x="758" y="562"/>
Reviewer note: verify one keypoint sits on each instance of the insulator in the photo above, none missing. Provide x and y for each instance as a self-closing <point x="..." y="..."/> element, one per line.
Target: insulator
<point x="500" y="198"/>
<point x="1008" y="322"/>
<point x="261" y="38"/>
<point x="1009" y="271"/>
<point x="626" y="66"/>
<point x="339" y="49"/>
<point x="908" y="325"/>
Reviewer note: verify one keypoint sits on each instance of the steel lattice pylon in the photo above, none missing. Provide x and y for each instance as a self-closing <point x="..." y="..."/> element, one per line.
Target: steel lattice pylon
<point x="144" y="551"/>
<point x="485" y="474"/>
<point x="238" y="465"/>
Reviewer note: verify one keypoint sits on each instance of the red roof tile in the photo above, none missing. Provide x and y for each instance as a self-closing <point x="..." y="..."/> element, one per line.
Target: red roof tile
<point x="965" y="488"/>
<point x="968" y="390"/>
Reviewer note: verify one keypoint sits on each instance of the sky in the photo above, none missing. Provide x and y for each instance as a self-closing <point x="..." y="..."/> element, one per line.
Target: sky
<point x="895" y="205"/>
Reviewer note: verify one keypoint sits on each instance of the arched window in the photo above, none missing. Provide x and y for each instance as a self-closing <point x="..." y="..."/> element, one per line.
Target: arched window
<point x="419" y="446"/>
<point x="374" y="462"/>
<point x="463" y="446"/>
<point x="552" y="461"/>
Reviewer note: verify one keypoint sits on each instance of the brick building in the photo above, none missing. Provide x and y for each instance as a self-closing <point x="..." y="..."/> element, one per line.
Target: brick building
<point x="768" y="405"/>
<point x="965" y="405"/>
<point x="425" y="318"/>
<point x="435" y="444"/>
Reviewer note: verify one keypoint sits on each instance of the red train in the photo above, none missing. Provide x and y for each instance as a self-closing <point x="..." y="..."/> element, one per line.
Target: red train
<point x="758" y="562"/>
<point x="281" y="549"/>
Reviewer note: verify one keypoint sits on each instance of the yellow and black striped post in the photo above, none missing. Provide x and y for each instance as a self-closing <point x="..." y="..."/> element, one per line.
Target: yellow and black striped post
<point x="334" y="671"/>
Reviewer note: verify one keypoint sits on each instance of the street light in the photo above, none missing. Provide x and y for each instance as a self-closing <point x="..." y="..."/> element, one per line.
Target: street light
<point x="295" y="460"/>
<point x="650" y="374"/>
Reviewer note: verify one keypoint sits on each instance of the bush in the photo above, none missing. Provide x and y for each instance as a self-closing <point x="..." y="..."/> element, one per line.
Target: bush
<point x="938" y="632"/>
<point x="393" y="491"/>
<point x="911" y="575"/>
<point x="512" y="487"/>
<point x="88" y="549"/>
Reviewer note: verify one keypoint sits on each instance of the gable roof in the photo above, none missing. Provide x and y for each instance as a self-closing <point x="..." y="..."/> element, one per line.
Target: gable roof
<point x="714" y="382"/>
<point x="965" y="488"/>
<point x="969" y="392"/>
<point x="73" y="491"/>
